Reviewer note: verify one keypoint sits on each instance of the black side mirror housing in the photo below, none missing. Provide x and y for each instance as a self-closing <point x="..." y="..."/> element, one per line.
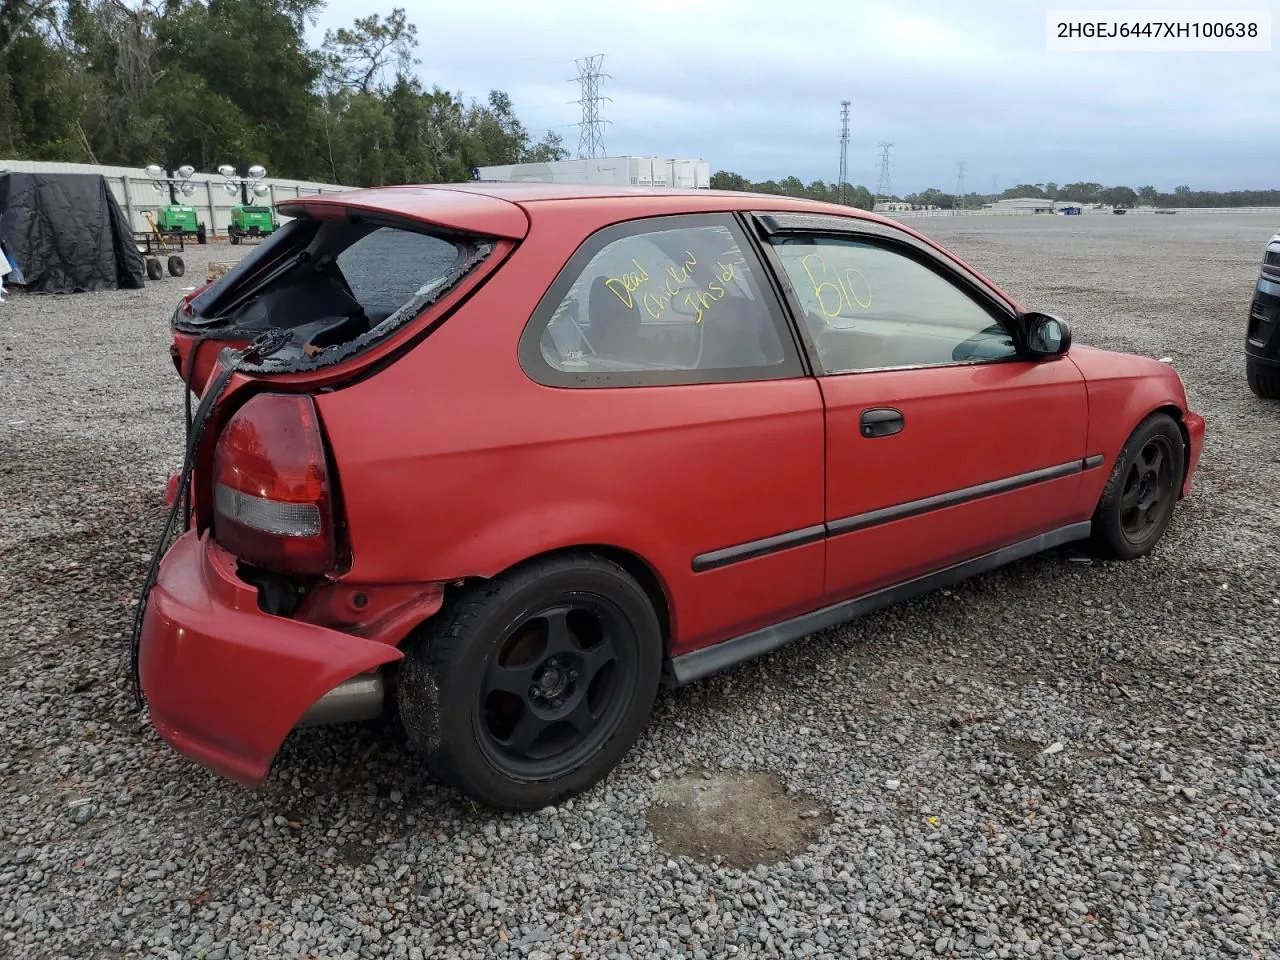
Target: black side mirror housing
<point x="1046" y="335"/>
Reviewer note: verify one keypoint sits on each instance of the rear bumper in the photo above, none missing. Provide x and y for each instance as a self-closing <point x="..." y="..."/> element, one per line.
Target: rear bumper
<point x="225" y="682"/>
<point x="1195" y="437"/>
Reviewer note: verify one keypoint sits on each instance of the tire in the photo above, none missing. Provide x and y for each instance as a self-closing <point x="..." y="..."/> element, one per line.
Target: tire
<point x="1264" y="380"/>
<point x="202" y="236"/>
<point x="233" y="236"/>
<point x="154" y="270"/>
<point x="1138" y="501"/>
<point x="488" y="685"/>
<point x="176" y="266"/>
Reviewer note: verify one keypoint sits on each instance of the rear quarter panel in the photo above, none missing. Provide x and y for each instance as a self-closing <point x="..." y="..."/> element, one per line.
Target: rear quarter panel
<point x="454" y="464"/>
<point x="1123" y="389"/>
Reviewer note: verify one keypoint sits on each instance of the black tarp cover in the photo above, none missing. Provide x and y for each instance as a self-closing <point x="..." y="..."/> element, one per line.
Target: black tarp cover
<point x="67" y="234"/>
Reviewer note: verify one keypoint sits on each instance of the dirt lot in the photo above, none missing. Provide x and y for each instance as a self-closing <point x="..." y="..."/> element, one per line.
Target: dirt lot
<point x="1063" y="758"/>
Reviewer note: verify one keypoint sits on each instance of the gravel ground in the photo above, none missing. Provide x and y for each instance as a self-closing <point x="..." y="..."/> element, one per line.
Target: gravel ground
<point x="1062" y="758"/>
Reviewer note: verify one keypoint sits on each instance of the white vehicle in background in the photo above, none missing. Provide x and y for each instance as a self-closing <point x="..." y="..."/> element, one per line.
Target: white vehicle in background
<point x="1262" y="341"/>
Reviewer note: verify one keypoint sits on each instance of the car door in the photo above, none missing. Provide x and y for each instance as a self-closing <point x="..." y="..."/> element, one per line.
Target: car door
<point x="944" y="442"/>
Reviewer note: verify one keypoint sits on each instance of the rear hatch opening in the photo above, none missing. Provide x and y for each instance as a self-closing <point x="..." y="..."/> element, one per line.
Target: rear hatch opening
<point x="320" y="291"/>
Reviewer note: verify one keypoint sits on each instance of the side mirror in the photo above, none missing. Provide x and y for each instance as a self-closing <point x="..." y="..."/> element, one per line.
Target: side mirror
<point x="1047" y="335"/>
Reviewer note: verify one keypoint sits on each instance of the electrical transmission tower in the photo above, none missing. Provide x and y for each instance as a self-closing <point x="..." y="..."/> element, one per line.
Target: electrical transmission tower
<point x="885" y="187"/>
<point x="995" y="185"/>
<point x="960" y="185"/>
<point x="591" y="137"/>
<point x="843" y="178"/>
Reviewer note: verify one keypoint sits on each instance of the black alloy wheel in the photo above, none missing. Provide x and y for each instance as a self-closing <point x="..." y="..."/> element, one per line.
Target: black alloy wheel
<point x="1147" y="496"/>
<point x="1145" y="483"/>
<point x="529" y="688"/>
<point x="555" y="686"/>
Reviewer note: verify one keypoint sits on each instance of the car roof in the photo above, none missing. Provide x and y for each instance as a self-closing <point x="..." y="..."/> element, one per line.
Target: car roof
<point x="502" y="207"/>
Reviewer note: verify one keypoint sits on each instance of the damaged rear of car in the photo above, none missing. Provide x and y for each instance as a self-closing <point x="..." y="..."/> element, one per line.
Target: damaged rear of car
<point x="248" y="626"/>
<point x="332" y="282"/>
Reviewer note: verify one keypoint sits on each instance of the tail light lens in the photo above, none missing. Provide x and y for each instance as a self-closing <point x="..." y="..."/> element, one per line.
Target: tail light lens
<point x="272" y="496"/>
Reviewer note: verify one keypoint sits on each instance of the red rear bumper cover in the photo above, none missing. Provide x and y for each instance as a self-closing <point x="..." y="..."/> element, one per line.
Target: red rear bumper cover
<point x="226" y="682"/>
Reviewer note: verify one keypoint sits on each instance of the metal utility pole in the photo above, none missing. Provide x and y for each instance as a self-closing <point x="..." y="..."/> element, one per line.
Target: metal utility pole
<point x="995" y="185"/>
<point x="844" y="152"/>
<point x="885" y="187"/>
<point x="591" y="138"/>
<point x="959" y="205"/>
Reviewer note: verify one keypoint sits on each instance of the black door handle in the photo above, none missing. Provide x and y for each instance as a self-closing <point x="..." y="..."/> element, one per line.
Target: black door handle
<point x="881" y="422"/>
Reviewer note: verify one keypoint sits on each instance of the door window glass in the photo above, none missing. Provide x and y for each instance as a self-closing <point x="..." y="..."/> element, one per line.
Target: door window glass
<point x="869" y="307"/>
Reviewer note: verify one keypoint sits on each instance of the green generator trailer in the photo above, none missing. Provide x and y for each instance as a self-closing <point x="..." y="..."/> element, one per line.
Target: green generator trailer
<point x="180" y="218"/>
<point x="176" y="219"/>
<point x="250" y="221"/>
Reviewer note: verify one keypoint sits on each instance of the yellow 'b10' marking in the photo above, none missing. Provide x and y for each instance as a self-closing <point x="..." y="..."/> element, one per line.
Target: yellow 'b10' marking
<point x="836" y="291"/>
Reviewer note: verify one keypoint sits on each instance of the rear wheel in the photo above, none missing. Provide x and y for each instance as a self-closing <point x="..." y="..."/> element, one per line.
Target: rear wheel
<point x="1264" y="380"/>
<point x="531" y="687"/>
<point x="176" y="266"/>
<point x="154" y="270"/>
<point x="1139" y="498"/>
<point x="233" y="235"/>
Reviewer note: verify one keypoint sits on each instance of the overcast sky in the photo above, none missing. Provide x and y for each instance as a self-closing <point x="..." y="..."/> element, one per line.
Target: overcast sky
<point x="754" y="86"/>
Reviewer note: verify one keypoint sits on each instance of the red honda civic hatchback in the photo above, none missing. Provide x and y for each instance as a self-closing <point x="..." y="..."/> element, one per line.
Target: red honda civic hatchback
<point x="505" y="457"/>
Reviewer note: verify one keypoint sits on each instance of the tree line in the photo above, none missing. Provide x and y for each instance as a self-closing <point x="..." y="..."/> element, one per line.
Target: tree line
<point x="854" y="196"/>
<point x="1121" y="196"/>
<point x="208" y="82"/>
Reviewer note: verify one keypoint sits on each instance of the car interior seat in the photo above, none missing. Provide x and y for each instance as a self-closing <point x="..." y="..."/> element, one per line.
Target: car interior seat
<point x="613" y="328"/>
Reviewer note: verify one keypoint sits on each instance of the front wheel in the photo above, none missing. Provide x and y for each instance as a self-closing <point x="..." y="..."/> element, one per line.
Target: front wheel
<point x="530" y="688"/>
<point x="1137" y="504"/>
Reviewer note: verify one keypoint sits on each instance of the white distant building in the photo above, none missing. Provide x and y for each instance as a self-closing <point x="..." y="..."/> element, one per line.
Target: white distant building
<point x="607" y="171"/>
<point x="1022" y="205"/>
<point x="1037" y="205"/>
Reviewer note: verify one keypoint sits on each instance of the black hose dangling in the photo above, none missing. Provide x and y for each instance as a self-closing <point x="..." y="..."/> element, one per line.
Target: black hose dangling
<point x="267" y="343"/>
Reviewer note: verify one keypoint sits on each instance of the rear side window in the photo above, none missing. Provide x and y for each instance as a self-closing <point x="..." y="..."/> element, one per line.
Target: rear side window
<point x="670" y="300"/>
<point x="387" y="268"/>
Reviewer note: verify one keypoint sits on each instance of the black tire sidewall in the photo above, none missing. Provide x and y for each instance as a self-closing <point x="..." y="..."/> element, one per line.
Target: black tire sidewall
<point x="1108" y="532"/>
<point x="448" y="664"/>
<point x="1263" y="379"/>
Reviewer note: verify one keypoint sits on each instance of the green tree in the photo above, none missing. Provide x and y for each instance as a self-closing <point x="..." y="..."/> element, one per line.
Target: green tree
<point x="356" y="58"/>
<point x="724" y="180"/>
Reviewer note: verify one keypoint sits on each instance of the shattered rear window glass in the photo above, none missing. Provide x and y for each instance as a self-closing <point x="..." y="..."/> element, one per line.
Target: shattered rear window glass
<point x="388" y="267"/>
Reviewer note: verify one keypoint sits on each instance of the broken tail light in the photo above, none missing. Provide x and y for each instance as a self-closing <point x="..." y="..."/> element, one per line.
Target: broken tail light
<point x="272" y="496"/>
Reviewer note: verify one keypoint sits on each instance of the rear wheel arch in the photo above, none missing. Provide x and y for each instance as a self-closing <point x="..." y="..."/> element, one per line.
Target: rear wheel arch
<point x="644" y="573"/>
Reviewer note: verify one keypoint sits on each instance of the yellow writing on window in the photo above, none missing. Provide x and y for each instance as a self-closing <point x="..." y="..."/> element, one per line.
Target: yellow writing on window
<point x="697" y="299"/>
<point x="676" y="285"/>
<point x="624" y="286"/>
<point x="837" y="291"/>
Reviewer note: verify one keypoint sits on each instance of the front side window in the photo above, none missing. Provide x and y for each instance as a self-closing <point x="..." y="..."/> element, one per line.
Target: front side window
<point x="868" y="306"/>
<point x="679" y="304"/>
